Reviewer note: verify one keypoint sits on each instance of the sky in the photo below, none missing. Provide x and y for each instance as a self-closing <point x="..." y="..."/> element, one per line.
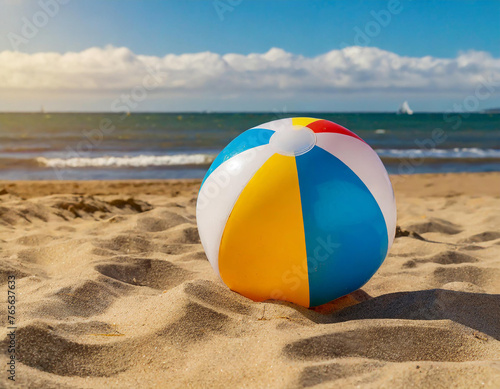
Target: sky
<point x="249" y="55"/>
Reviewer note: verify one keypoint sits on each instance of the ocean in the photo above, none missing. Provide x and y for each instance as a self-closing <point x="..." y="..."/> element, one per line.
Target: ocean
<point x="100" y="146"/>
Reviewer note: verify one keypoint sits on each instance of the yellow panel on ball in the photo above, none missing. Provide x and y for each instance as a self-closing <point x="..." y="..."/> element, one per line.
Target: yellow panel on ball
<point x="303" y="121"/>
<point x="263" y="251"/>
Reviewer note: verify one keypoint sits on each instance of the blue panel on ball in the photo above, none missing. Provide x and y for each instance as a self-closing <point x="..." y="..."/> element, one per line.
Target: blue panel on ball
<point x="346" y="235"/>
<point x="247" y="140"/>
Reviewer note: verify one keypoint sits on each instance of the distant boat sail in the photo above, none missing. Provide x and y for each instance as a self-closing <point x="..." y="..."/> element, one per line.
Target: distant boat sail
<point x="405" y="109"/>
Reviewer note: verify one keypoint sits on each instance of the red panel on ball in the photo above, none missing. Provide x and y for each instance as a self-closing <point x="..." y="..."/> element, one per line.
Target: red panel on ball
<point x="327" y="126"/>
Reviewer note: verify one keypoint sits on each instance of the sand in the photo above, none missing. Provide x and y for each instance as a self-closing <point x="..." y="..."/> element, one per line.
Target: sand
<point x="114" y="291"/>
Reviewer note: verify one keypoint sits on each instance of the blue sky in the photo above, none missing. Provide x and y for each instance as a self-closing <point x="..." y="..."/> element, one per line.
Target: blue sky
<point x="440" y="29"/>
<point x="437" y="28"/>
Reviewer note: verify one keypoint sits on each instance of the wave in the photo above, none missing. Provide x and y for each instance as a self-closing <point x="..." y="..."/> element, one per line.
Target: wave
<point x="456" y="153"/>
<point x="125" y="161"/>
<point x="473" y="155"/>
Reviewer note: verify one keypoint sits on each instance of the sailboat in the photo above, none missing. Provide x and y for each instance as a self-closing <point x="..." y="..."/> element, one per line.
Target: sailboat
<point x="405" y="109"/>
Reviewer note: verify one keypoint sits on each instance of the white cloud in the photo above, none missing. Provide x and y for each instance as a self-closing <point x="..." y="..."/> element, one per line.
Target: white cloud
<point x="277" y="72"/>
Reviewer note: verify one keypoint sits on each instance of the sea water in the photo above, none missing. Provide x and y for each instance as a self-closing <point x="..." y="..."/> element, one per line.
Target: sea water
<point x="86" y="146"/>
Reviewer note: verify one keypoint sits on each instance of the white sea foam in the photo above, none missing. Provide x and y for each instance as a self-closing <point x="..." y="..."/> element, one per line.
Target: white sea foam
<point x="125" y="161"/>
<point x="206" y="159"/>
<point x="456" y="153"/>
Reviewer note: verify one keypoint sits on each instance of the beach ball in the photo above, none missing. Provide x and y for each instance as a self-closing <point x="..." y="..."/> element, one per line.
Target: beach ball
<point x="297" y="209"/>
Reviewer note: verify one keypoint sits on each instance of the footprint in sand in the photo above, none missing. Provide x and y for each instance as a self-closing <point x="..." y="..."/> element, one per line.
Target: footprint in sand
<point x="482" y="237"/>
<point x="165" y="222"/>
<point x="87" y="206"/>
<point x="127" y="244"/>
<point x="196" y="324"/>
<point x="7" y="270"/>
<point x="179" y="248"/>
<point x="394" y="343"/>
<point x="40" y="347"/>
<point x="435" y="225"/>
<point x="186" y="235"/>
<point x="153" y="273"/>
<point x="474" y="275"/>
<point x="85" y="299"/>
<point x="318" y="374"/>
<point x="444" y="258"/>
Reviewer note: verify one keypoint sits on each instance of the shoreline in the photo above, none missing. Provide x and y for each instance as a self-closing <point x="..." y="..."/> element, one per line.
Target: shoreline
<point x="426" y="184"/>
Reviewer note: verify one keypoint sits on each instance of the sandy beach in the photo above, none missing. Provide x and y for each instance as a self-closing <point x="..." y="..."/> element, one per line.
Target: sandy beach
<point x="113" y="290"/>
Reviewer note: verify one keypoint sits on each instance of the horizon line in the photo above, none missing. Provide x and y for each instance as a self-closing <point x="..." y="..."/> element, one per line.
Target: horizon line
<point x="493" y="110"/>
